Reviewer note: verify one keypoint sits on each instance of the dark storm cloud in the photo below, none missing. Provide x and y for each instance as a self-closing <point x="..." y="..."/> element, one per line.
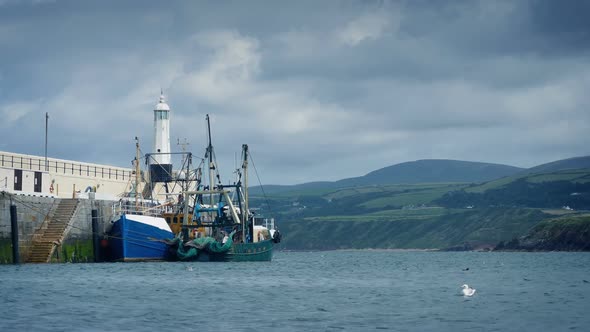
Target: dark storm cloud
<point x="320" y="90"/>
<point x="491" y="43"/>
<point x="563" y="27"/>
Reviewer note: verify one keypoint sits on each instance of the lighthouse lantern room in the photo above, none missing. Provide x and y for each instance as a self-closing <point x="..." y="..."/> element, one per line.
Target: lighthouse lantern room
<point x="160" y="165"/>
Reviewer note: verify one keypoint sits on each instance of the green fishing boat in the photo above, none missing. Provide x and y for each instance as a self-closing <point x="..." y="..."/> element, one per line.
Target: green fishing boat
<point x="213" y="251"/>
<point x="217" y="222"/>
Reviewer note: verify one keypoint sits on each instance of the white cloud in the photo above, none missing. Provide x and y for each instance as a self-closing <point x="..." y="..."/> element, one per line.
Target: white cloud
<point x="367" y="27"/>
<point x="229" y="62"/>
<point x="11" y="113"/>
<point x="301" y="43"/>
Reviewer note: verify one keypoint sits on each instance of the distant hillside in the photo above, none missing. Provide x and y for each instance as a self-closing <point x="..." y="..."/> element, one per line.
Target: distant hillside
<point x="564" y="164"/>
<point x="428" y="171"/>
<point x="541" y="190"/>
<point x="433" y="171"/>
<point x="413" y="172"/>
<point x="438" y="229"/>
<point x="278" y="189"/>
<point x="435" y="215"/>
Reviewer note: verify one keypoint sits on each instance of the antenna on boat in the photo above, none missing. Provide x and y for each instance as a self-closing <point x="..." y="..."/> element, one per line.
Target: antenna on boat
<point x="236" y="170"/>
<point x="185" y="159"/>
<point x="245" y="212"/>
<point x="211" y="164"/>
<point x="137" y="176"/>
<point x="182" y="144"/>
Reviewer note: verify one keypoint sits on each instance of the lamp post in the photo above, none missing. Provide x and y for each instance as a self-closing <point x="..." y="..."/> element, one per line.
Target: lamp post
<point x="46" y="125"/>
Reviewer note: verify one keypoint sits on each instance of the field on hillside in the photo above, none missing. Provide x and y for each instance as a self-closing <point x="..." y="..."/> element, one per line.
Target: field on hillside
<point x="417" y="197"/>
<point x="576" y="175"/>
<point x="364" y="199"/>
<point x="389" y="215"/>
<point x="579" y="176"/>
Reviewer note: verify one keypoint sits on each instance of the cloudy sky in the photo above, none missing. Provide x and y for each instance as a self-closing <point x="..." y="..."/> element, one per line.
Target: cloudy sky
<point x="320" y="90"/>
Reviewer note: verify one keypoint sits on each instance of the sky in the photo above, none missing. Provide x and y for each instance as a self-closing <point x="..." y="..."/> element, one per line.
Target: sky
<point x="319" y="90"/>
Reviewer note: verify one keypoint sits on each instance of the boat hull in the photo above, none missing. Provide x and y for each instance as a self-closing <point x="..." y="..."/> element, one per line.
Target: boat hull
<point x="135" y="240"/>
<point x="241" y="252"/>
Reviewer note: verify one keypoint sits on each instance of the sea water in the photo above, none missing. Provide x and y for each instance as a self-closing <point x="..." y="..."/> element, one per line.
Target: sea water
<point x="311" y="291"/>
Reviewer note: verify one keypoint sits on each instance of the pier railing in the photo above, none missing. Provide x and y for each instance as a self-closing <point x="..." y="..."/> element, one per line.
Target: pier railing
<point x="143" y="207"/>
<point x="266" y="222"/>
<point x="63" y="167"/>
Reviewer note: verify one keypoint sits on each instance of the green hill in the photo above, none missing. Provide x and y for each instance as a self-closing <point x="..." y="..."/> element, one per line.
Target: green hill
<point x="559" y="165"/>
<point x="432" y="171"/>
<point x="280" y="189"/>
<point x="414" y="172"/>
<point x="464" y="212"/>
<point x="438" y="215"/>
<point x="541" y="190"/>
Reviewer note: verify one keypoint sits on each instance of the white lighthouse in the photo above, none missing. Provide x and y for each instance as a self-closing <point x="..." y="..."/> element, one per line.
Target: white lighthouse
<point x="160" y="165"/>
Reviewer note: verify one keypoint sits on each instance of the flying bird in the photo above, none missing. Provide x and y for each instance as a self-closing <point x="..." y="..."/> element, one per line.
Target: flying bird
<point x="468" y="291"/>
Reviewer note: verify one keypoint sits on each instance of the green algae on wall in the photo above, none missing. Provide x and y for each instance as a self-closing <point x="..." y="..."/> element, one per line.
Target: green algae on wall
<point x="76" y="251"/>
<point x="5" y="251"/>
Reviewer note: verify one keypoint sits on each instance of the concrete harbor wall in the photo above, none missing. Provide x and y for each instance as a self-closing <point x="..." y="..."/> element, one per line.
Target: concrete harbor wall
<point x="31" y="175"/>
<point x="28" y="174"/>
<point x="32" y="212"/>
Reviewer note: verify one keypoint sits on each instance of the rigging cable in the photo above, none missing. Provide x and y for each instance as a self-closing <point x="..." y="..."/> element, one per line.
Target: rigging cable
<point x="261" y="186"/>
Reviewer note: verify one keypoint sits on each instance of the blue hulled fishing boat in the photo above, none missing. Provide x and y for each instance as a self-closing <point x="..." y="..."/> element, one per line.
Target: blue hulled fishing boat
<point x="136" y="237"/>
<point x="138" y="231"/>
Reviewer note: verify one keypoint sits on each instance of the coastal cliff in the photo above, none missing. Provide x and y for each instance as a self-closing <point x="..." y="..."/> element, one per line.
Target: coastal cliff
<point x="569" y="233"/>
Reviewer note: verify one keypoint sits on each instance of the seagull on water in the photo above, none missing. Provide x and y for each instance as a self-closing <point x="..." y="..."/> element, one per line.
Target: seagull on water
<point x="468" y="291"/>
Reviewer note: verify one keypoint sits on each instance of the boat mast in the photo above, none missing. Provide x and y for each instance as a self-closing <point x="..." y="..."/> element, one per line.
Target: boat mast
<point x="137" y="176"/>
<point x="211" y="165"/>
<point x="245" y="212"/>
<point x="185" y="159"/>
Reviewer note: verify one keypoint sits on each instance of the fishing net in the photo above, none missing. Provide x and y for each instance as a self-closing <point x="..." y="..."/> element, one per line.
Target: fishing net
<point x="191" y="249"/>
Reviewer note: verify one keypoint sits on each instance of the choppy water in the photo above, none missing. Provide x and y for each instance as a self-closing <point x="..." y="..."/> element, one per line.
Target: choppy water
<point x="320" y="291"/>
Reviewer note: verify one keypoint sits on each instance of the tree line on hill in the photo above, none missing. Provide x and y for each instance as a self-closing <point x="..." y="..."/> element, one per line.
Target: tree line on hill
<point x="521" y="193"/>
